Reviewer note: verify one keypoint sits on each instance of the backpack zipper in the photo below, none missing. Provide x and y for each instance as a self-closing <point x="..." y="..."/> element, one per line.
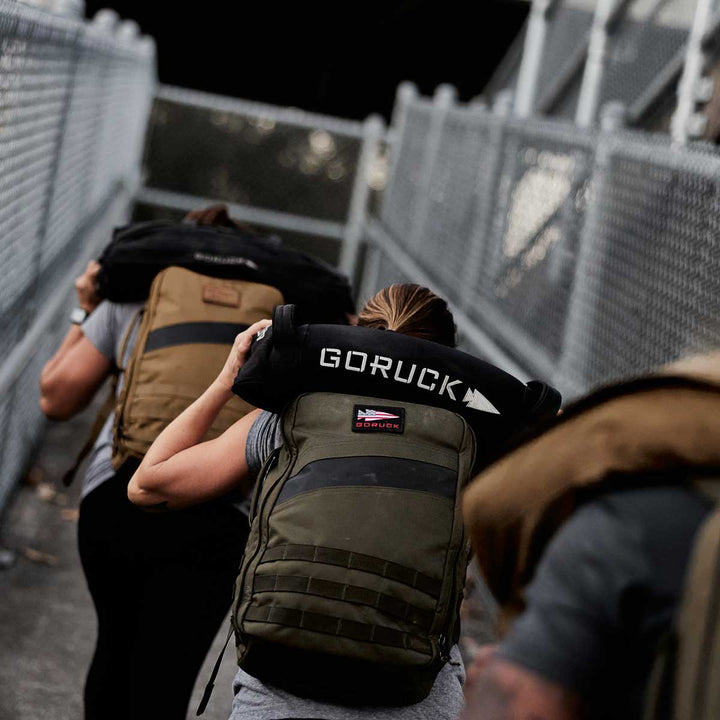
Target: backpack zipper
<point x="262" y="476"/>
<point x="445" y="640"/>
<point x="259" y="549"/>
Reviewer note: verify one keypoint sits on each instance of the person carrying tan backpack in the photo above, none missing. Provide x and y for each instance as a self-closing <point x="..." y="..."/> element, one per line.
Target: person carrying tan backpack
<point x="173" y="568"/>
<point x="600" y="539"/>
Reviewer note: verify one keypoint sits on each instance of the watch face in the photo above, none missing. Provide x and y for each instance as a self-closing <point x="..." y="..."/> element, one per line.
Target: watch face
<point x="77" y="316"/>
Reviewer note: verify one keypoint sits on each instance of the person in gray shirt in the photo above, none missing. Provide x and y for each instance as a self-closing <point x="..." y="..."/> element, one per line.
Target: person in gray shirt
<point x="585" y="534"/>
<point x="138" y="565"/>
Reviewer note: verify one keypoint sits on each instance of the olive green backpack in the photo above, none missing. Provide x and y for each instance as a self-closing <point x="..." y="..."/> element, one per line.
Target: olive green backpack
<point x="354" y="568"/>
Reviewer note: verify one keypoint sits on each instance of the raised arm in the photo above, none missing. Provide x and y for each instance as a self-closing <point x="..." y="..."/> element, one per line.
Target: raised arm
<point x="179" y="470"/>
<point x="74" y="373"/>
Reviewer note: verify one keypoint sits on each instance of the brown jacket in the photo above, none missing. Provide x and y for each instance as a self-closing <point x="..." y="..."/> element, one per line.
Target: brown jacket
<point x="668" y="422"/>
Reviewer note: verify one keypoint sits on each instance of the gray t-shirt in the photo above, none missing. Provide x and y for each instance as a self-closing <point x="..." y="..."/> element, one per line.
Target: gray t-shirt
<point x="105" y="329"/>
<point x="604" y="594"/>
<point x="254" y="700"/>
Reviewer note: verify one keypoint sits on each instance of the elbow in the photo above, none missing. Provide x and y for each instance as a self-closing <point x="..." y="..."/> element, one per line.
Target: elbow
<point x="52" y="406"/>
<point x="60" y="399"/>
<point x="140" y="491"/>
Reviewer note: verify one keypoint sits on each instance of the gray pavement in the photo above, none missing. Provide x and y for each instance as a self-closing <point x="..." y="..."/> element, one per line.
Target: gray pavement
<point x="47" y="621"/>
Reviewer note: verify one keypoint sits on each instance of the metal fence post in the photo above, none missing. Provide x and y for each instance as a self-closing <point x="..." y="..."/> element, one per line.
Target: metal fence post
<point x="576" y="348"/>
<point x="406" y="93"/>
<point x="605" y="12"/>
<point x="482" y="224"/>
<point x="443" y="100"/>
<point x="532" y="57"/>
<point x="373" y="129"/>
<point x="695" y="58"/>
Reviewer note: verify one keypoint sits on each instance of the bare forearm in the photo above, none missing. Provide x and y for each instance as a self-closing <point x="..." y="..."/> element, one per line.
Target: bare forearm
<point x="179" y="469"/>
<point x="188" y="428"/>
<point x="74" y="335"/>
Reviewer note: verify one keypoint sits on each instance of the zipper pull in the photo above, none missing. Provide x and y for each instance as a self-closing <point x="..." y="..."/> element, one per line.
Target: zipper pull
<point x="444" y="648"/>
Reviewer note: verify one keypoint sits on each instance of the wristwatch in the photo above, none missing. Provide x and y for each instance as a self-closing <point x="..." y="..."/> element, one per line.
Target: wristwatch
<point x="78" y="316"/>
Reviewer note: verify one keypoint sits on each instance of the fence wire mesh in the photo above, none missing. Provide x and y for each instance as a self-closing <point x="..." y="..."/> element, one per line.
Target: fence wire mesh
<point x="282" y="169"/>
<point x="643" y="54"/>
<point x="566" y="43"/>
<point x="249" y="159"/>
<point x="579" y="256"/>
<point x="74" y="99"/>
<point x="650" y="35"/>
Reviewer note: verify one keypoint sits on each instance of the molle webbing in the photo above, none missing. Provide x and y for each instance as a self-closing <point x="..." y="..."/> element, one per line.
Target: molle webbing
<point x="352" y="578"/>
<point x="340" y="627"/>
<point x="356" y="561"/>
<point x="346" y="592"/>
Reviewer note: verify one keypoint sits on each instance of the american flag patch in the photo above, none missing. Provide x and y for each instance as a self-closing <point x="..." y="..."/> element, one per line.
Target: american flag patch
<point x="372" y="418"/>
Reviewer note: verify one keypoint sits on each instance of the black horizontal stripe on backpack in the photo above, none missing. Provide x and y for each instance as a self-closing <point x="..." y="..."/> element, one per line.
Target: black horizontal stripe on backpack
<point x="371" y="472"/>
<point x="193" y="333"/>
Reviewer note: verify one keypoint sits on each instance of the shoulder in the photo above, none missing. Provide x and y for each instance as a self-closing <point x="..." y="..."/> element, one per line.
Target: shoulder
<point x="613" y="572"/>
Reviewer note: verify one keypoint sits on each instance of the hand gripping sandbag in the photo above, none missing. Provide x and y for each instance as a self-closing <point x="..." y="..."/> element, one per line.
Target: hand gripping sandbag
<point x="138" y="252"/>
<point x="287" y="360"/>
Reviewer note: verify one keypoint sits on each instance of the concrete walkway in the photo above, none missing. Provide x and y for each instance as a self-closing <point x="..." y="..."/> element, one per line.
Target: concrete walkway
<point x="47" y="621"/>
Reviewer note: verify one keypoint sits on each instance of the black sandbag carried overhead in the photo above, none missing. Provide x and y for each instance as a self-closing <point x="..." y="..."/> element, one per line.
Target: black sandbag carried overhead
<point x="138" y="252"/>
<point x="287" y="360"/>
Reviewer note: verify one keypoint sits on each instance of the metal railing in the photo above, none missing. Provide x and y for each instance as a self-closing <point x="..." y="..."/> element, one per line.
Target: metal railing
<point x="568" y="254"/>
<point x="281" y="168"/>
<point x="74" y="99"/>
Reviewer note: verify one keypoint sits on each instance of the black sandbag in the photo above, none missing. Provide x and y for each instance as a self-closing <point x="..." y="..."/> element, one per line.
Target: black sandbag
<point x="138" y="252"/>
<point x="391" y="366"/>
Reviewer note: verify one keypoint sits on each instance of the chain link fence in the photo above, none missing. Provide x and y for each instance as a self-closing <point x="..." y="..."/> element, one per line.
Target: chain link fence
<point x="570" y="255"/>
<point x="74" y="99"/>
<point x="643" y="49"/>
<point x="282" y="169"/>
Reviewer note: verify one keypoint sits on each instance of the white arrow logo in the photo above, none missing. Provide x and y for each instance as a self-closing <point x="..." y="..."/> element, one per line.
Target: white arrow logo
<point x="477" y="401"/>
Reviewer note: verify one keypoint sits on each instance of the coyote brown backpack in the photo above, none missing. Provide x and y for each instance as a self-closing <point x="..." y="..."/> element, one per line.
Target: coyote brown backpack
<point x="186" y="330"/>
<point x="665" y="425"/>
<point x="350" y="587"/>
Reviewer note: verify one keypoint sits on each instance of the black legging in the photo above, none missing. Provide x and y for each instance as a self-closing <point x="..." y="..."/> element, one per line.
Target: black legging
<point x="161" y="585"/>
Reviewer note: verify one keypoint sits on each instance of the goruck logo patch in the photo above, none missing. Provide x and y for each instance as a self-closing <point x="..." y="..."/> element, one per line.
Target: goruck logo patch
<point x="373" y="418"/>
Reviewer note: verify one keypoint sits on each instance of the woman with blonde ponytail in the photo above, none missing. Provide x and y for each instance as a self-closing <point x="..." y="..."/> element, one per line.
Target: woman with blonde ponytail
<point x="180" y="470"/>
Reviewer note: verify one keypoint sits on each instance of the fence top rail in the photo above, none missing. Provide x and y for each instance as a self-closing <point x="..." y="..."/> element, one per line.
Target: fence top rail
<point x="260" y="216"/>
<point x="26" y="22"/>
<point x="656" y="148"/>
<point x="698" y="158"/>
<point x="237" y="106"/>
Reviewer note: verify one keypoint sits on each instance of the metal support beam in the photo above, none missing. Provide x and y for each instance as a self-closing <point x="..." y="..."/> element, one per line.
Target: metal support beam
<point x="532" y="57"/>
<point x="594" y="65"/>
<point x="373" y="131"/>
<point x="692" y="72"/>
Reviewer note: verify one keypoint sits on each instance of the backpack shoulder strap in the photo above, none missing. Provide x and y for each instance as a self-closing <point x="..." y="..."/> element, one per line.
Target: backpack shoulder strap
<point x="107" y="407"/>
<point x="697" y="672"/>
<point x="102" y="416"/>
<point x="122" y="355"/>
